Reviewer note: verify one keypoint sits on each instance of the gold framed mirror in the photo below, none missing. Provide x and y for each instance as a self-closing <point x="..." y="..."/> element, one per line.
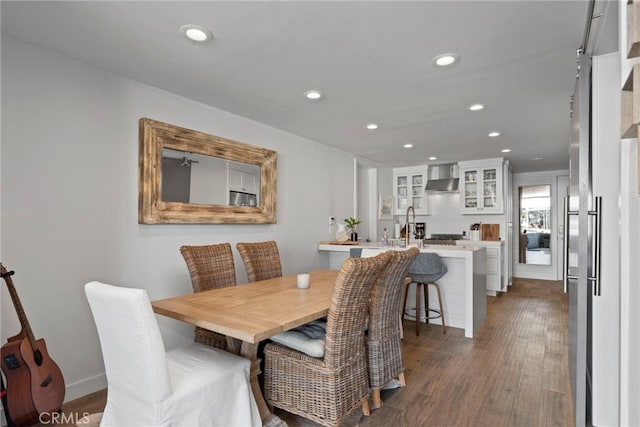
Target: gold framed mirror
<point x="235" y="182"/>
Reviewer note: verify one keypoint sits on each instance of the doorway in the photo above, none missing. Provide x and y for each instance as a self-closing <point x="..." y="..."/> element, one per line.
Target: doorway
<point x="366" y="190"/>
<point x="535" y="224"/>
<point x="548" y="229"/>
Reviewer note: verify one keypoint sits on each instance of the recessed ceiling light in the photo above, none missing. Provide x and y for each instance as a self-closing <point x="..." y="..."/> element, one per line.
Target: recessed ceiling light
<point x="313" y="94"/>
<point x="445" y="59"/>
<point x="506" y="150"/>
<point x="433" y="158"/>
<point x="537" y="158"/>
<point x="196" y="33"/>
<point x="372" y="126"/>
<point x="476" y="107"/>
<point x="408" y="145"/>
<point x="494" y="134"/>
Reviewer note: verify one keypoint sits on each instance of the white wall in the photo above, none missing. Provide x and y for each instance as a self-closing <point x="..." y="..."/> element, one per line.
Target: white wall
<point x="70" y="199"/>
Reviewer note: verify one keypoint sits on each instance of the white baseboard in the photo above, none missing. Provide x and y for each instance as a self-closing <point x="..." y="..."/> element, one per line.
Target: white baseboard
<point x="535" y="275"/>
<point x="84" y="387"/>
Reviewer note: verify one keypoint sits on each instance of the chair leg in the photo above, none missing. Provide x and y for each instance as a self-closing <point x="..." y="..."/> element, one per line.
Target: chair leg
<point x="418" y="287"/>
<point x="376" y="400"/>
<point x="365" y="408"/>
<point x="401" y="379"/>
<point x="404" y="303"/>
<point x="444" y="327"/>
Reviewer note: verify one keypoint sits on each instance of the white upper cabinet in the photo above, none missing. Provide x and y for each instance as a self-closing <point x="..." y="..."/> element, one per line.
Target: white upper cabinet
<point x="481" y="186"/>
<point x="243" y="181"/>
<point x="408" y="190"/>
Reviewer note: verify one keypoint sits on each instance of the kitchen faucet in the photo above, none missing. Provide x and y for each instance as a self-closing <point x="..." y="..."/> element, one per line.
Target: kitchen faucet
<point x="408" y="227"/>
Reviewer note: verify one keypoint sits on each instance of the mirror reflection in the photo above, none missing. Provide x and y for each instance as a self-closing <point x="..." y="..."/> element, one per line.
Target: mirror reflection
<point x="535" y="224"/>
<point x="197" y="178"/>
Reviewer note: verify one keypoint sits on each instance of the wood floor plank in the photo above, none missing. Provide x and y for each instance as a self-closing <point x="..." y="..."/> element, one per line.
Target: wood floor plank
<point x="529" y="388"/>
<point x="555" y="409"/>
<point x="555" y="370"/>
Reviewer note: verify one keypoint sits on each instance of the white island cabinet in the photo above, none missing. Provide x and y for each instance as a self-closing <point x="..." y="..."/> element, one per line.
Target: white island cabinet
<point x="463" y="288"/>
<point x="496" y="266"/>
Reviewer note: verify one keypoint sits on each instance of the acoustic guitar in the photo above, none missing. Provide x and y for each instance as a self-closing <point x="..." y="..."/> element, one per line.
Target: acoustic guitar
<point x="35" y="386"/>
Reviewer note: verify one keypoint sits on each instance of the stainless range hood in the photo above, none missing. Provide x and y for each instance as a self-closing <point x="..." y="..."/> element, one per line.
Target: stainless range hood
<point x="442" y="178"/>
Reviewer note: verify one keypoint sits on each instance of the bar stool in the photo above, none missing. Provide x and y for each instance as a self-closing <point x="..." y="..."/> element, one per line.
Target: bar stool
<point x="425" y="270"/>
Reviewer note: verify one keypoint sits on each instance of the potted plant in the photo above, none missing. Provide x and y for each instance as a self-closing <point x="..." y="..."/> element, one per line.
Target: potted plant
<point x="351" y="225"/>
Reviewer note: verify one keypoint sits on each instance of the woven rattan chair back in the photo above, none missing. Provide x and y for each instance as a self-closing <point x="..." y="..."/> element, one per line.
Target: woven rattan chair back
<point x="210" y="267"/>
<point x="385" y="304"/>
<point x="261" y="260"/>
<point x="348" y="312"/>
<point x="384" y="342"/>
<point x="326" y="390"/>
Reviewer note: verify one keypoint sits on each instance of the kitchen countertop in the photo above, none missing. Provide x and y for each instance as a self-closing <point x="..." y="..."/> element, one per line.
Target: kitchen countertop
<point x="443" y="250"/>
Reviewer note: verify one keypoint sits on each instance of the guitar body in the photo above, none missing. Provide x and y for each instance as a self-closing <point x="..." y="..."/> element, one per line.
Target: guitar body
<point x="33" y="389"/>
<point x="47" y="382"/>
<point x="35" y="385"/>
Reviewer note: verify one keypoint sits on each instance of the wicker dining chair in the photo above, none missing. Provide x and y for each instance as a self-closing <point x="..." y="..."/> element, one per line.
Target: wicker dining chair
<point x="384" y="341"/>
<point x="327" y="389"/>
<point x="210" y="267"/>
<point x="261" y="260"/>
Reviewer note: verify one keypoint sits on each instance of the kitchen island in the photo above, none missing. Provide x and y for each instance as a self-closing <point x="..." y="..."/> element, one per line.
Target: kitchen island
<point x="463" y="288"/>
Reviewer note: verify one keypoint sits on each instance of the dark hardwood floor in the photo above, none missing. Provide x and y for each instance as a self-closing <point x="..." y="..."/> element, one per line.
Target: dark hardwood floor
<point x="513" y="373"/>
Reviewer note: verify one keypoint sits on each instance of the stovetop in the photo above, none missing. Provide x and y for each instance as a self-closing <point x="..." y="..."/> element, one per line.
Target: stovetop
<point x="443" y="239"/>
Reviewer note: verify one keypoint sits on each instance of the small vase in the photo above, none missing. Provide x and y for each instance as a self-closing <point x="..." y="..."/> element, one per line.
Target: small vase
<point x="354" y="236"/>
<point x="341" y="234"/>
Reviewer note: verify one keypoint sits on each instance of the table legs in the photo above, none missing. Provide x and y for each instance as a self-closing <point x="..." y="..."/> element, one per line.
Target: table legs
<point x="250" y="351"/>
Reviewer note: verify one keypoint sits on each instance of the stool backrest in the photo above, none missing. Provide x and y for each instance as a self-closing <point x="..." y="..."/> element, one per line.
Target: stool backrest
<point x="428" y="264"/>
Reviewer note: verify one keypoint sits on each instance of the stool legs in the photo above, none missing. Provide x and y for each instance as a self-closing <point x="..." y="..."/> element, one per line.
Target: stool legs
<point x="444" y="327"/>
<point x="421" y="286"/>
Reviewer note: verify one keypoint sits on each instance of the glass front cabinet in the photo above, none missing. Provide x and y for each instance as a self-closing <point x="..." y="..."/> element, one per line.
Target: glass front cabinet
<point x="481" y="187"/>
<point x="408" y="190"/>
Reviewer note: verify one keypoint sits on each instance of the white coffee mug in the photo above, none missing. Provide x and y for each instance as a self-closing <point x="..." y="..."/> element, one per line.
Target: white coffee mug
<point x="303" y="281"/>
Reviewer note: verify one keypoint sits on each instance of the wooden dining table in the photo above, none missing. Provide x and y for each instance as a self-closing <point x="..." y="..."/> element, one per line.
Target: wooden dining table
<point x="253" y="312"/>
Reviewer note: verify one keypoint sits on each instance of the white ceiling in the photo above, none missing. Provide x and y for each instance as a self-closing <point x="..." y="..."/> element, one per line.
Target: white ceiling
<point x="371" y="59"/>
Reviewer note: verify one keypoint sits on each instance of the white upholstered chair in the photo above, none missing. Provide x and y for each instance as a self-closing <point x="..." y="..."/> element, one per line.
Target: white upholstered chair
<point x="195" y="385"/>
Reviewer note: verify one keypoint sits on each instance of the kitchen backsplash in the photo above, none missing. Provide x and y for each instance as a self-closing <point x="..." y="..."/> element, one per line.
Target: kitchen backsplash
<point x="446" y="217"/>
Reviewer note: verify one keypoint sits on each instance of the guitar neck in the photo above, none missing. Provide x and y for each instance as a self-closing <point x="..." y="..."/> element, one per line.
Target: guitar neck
<point x="18" y="306"/>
